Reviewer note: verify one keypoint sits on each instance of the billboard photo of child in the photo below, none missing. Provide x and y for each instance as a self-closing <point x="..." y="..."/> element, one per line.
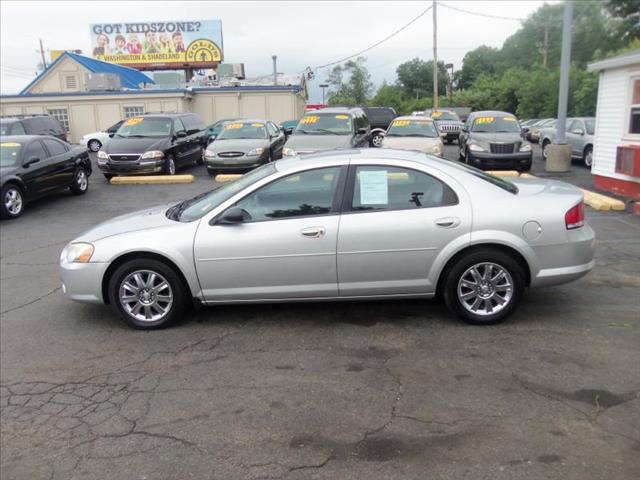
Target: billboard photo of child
<point x="102" y="48"/>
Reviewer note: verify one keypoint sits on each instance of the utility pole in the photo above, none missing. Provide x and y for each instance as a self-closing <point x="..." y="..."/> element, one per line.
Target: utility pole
<point x="545" y="46"/>
<point x="435" y="57"/>
<point x="323" y="86"/>
<point x="44" y="62"/>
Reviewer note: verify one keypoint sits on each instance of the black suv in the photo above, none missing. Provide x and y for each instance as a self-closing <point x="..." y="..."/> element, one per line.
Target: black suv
<point x="32" y="125"/>
<point x="154" y="143"/>
<point x="380" y="118"/>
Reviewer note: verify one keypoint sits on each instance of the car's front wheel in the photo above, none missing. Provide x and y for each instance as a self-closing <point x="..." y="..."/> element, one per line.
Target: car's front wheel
<point x="376" y="140"/>
<point x="484" y="286"/>
<point x="147" y="294"/>
<point x="94" y="145"/>
<point x="80" y="183"/>
<point x="169" y="166"/>
<point x="587" y="156"/>
<point x="12" y="204"/>
<point x="545" y="149"/>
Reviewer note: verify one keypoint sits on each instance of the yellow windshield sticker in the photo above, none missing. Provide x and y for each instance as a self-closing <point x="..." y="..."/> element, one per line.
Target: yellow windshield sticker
<point x="233" y="126"/>
<point x="407" y="123"/>
<point x="509" y="119"/>
<point x="308" y="120"/>
<point x="342" y="117"/>
<point x="436" y="114"/>
<point x="401" y="123"/>
<point x="483" y="120"/>
<point x="257" y="124"/>
<point x="134" y="121"/>
<point x="9" y="144"/>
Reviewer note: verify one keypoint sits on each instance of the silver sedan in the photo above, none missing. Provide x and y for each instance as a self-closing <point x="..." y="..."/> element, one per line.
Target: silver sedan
<point x="351" y="224"/>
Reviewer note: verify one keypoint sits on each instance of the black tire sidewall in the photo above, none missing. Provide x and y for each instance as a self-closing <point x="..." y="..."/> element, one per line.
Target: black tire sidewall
<point x="75" y="188"/>
<point x="584" y="156"/>
<point x="4" y="213"/>
<point x="166" y="169"/>
<point x="177" y="287"/>
<point x="89" y="145"/>
<point x="452" y="276"/>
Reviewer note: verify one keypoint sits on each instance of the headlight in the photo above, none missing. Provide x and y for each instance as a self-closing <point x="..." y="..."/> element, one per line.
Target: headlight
<point x="78" y="252"/>
<point x="152" y="154"/>
<point x="255" y="151"/>
<point x="288" y="152"/>
<point x="475" y="148"/>
<point x="436" y="150"/>
<point x="102" y="155"/>
<point x="526" y="147"/>
<point x="209" y="154"/>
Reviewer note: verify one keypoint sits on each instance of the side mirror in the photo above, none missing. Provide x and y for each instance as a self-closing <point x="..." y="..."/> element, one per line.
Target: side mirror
<point x="577" y="131"/>
<point x="111" y="134"/>
<point x="362" y="131"/>
<point x="211" y="139"/>
<point x="181" y="134"/>
<point x="233" y="216"/>
<point x="30" y="162"/>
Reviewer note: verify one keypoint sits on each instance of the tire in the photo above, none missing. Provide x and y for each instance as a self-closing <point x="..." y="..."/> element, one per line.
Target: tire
<point x="12" y="201"/>
<point x="460" y="156"/>
<point x="376" y="140"/>
<point x="448" y="141"/>
<point x="162" y="305"/>
<point x="212" y="172"/>
<point x="94" y="145"/>
<point x="587" y="156"/>
<point x="200" y="159"/>
<point x="169" y="167"/>
<point x="458" y="284"/>
<point x="545" y="145"/>
<point x="80" y="183"/>
<point x="108" y="176"/>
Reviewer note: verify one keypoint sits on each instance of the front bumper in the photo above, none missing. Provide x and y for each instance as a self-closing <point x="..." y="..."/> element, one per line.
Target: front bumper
<point x="139" y="167"/>
<point x="236" y="163"/>
<point x="487" y="160"/>
<point x="82" y="282"/>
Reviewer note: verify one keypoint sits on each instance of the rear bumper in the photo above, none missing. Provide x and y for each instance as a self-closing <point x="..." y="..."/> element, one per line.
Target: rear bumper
<point x="519" y="160"/>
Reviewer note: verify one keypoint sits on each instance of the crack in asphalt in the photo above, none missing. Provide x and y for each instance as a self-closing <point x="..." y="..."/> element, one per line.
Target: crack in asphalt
<point x="31" y="302"/>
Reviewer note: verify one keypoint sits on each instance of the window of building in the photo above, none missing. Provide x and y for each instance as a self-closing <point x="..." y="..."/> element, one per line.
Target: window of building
<point x="634" y="116"/>
<point x="71" y="82"/>
<point x="60" y="114"/>
<point x="133" y="111"/>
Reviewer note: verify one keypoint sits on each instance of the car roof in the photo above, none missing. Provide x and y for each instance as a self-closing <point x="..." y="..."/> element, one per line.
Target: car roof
<point x="334" y="110"/>
<point x="490" y="113"/>
<point x="252" y="120"/>
<point x="422" y="118"/>
<point x="23" y="138"/>
<point x="165" y="115"/>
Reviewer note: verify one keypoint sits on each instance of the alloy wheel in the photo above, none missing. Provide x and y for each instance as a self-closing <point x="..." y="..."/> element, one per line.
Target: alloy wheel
<point x="94" y="145"/>
<point x="485" y="288"/>
<point x="146" y="295"/>
<point x="377" y="140"/>
<point x="81" y="180"/>
<point x="13" y="201"/>
<point x="172" y="166"/>
<point x="588" y="158"/>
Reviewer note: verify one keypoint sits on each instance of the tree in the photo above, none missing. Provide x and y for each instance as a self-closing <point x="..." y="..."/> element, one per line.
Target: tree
<point x="481" y="60"/>
<point x="415" y="77"/>
<point x="355" y="89"/>
<point x="388" y="96"/>
<point x="627" y="12"/>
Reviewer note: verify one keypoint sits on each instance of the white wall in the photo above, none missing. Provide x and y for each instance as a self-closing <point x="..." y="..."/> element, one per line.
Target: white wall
<point x="614" y="93"/>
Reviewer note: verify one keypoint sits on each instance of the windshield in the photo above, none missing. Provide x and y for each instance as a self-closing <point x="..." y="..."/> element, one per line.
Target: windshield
<point x="445" y="116"/>
<point x="325" y="124"/>
<point x="421" y="127"/>
<point x="494" y="124"/>
<point x="497" y="181"/>
<point x="145" y="127"/>
<point x="243" y="130"/>
<point x="590" y="123"/>
<point x="5" y="128"/>
<point x="9" y="153"/>
<point x="197" y="207"/>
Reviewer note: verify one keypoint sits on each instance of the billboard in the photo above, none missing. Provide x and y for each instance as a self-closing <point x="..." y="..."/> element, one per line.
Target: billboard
<point x="159" y="45"/>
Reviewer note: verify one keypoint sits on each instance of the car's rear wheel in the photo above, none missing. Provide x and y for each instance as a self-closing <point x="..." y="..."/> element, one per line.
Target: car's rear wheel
<point x="545" y="148"/>
<point x="147" y="294"/>
<point x="12" y="204"/>
<point x="94" y="145"/>
<point x="484" y="286"/>
<point x="169" y="166"/>
<point x="211" y="171"/>
<point x="587" y="156"/>
<point x="460" y="154"/>
<point x="80" y="183"/>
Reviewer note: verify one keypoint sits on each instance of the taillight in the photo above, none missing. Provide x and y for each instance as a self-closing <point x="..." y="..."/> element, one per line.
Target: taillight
<point x="574" y="218"/>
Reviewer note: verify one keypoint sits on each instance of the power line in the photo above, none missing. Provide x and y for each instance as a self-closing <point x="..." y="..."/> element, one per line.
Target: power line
<point x="499" y="17"/>
<point x="378" y="43"/>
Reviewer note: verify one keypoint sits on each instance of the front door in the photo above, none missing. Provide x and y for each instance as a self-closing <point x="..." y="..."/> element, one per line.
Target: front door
<point x="398" y="222"/>
<point x="286" y="248"/>
<point x="39" y="177"/>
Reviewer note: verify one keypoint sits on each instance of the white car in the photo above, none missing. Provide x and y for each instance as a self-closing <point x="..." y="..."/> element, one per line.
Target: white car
<point x="96" y="140"/>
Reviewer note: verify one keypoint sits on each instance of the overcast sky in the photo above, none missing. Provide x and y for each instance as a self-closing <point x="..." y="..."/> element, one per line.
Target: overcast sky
<point x="301" y="33"/>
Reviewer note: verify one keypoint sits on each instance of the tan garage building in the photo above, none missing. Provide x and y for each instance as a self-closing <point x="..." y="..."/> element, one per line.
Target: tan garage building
<point x="62" y="91"/>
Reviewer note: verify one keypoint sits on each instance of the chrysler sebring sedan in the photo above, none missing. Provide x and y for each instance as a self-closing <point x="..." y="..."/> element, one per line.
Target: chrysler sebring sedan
<point x="350" y="224"/>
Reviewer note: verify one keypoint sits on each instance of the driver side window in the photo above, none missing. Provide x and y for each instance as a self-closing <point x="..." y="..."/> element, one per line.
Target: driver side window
<point x="303" y="194"/>
<point x="178" y="126"/>
<point x="34" y="150"/>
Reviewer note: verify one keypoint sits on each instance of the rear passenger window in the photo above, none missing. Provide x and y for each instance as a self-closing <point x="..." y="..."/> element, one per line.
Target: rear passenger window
<point x="17" y="129"/>
<point x="393" y="188"/>
<point x="55" y="148"/>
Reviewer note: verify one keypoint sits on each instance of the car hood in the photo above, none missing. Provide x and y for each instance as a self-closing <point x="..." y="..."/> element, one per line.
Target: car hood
<point x="237" y="145"/>
<point x="135" y="145"/>
<point x="301" y="141"/>
<point x="424" y="144"/>
<point x="486" y="138"/>
<point x="146" y="219"/>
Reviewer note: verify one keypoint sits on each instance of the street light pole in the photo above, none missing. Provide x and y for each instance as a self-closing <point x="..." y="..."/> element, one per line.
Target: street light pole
<point x="435" y="57"/>
<point x="323" y="86"/>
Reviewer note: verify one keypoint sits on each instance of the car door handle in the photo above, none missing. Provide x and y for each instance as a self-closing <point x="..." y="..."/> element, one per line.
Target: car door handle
<point x="313" y="232"/>
<point x="448" y="222"/>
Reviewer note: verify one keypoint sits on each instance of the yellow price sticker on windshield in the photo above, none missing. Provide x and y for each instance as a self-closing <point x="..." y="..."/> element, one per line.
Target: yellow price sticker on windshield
<point x="9" y="144"/>
<point x="436" y="114"/>
<point x="233" y="126"/>
<point x="483" y="120"/>
<point x="257" y="124"/>
<point x="134" y="121"/>
<point x="342" y="117"/>
<point x="309" y="120"/>
<point x="401" y="123"/>
<point x="509" y="119"/>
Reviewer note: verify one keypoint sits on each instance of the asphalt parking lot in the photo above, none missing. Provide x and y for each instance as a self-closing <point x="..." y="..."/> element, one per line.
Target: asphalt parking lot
<point x="329" y="391"/>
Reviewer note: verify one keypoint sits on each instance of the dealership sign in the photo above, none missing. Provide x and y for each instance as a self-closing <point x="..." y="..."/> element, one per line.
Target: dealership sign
<point x="159" y="45"/>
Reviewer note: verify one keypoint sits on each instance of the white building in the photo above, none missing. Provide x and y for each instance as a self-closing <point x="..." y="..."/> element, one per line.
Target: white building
<point x="616" y="152"/>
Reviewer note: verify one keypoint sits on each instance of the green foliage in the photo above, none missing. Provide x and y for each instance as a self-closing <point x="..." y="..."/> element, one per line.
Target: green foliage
<point x="355" y="89"/>
<point x="416" y="78"/>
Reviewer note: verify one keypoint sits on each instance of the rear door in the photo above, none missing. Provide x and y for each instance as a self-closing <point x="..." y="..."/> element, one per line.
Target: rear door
<point x="395" y="222"/>
<point x="61" y="161"/>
